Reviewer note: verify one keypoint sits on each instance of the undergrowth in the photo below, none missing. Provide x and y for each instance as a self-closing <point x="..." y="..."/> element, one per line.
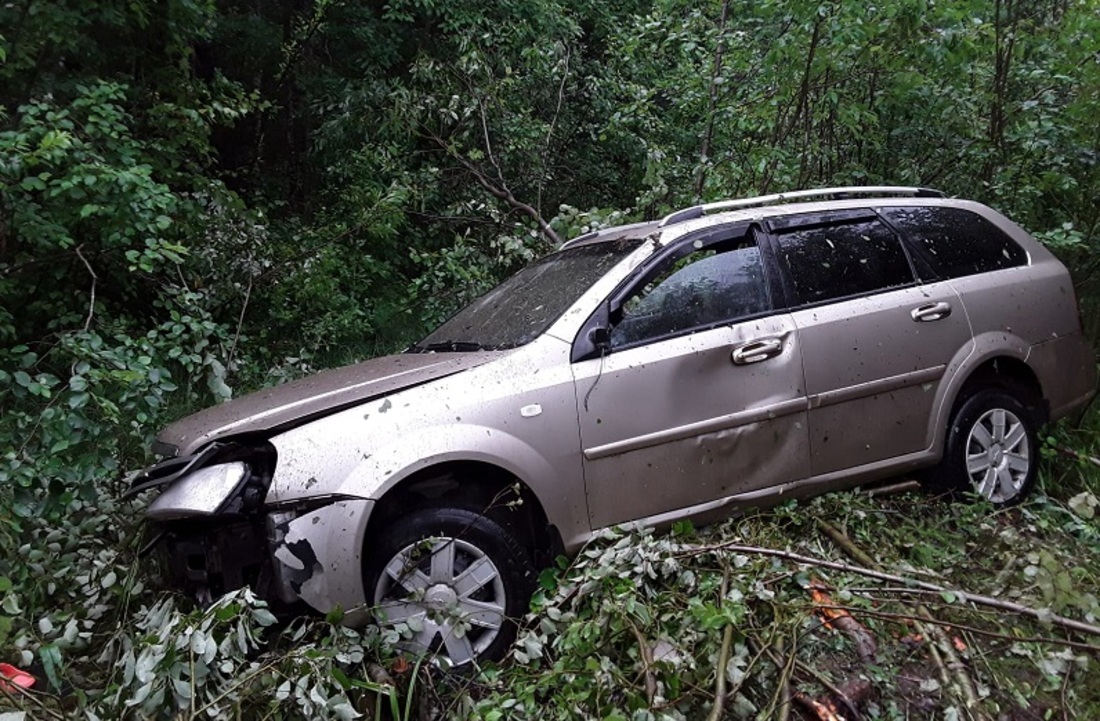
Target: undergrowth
<point x="640" y="625"/>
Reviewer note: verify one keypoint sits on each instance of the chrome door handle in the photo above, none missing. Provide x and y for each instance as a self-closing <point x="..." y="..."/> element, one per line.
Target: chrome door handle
<point x="756" y="351"/>
<point x="931" y="312"/>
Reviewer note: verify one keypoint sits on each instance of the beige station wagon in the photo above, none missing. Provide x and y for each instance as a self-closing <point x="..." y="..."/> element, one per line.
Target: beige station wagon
<point x="730" y="355"/>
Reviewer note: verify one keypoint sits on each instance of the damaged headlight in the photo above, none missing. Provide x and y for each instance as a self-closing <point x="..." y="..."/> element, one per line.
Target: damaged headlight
<point x="202" y="493"/>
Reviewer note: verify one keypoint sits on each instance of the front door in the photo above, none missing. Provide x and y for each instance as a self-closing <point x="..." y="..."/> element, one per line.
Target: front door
<point x="700" y="395"/>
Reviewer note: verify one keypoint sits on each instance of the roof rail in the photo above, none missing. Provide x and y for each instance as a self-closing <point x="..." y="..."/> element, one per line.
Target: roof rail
<point x="603" y="231"/>
<point x="699" y="211"/>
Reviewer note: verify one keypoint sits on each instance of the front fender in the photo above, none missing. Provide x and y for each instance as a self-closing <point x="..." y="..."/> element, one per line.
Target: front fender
<point x="387" y="466"/>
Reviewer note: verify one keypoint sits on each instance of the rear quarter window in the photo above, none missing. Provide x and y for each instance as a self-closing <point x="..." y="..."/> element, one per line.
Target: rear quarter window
<point x="955" y="241"/>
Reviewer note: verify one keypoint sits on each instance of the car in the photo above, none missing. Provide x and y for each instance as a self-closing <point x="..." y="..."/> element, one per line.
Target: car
<point x="729" y="355"/>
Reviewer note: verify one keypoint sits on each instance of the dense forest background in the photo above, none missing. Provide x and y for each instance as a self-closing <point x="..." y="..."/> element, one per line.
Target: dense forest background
<point x="200" y="197"/>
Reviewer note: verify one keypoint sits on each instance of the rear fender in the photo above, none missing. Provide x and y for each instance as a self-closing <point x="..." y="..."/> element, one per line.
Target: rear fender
<point x="993" y="344"/>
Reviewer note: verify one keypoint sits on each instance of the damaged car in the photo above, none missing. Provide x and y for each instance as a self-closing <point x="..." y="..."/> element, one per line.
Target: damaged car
<point x="728" y="355"/>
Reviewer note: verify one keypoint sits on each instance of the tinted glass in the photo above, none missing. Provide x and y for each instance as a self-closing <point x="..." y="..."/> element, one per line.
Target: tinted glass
<point x="836" y="261"/>
<point x="956" y="241"/>
<point x="518" y="310"/>
<point x="702" y="289"/>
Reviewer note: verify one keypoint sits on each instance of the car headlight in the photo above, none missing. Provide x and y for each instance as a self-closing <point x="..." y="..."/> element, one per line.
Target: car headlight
<point x="201" y="493"/>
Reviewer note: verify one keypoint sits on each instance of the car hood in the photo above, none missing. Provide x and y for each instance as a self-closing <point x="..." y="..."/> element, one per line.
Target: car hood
<point x="302" y="400"/>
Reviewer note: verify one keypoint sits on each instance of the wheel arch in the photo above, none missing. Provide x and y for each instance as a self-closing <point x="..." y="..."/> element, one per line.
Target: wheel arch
<point x="476" y="485"/>
<point x="1009" y="373"/>
<point x="1001" y="367"/>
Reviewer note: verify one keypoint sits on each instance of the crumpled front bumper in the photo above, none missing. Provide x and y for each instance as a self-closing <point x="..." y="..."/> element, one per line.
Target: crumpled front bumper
<point x="309" y="551"/>
<point x="317" y="556"/>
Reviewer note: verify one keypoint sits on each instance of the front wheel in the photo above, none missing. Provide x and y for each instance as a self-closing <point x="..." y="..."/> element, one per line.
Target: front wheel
<point x="455" y="580"/>
<point x="992" y="448"/>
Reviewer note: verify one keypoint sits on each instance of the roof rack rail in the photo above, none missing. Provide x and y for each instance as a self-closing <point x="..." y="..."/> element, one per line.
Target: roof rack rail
<point x="602" y="231"/>
<point x="699" y="211"/>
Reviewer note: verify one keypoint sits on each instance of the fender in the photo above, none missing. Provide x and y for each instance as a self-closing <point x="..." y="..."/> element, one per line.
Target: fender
<point x="984" y="347"/>
<point x="561" y="497"/>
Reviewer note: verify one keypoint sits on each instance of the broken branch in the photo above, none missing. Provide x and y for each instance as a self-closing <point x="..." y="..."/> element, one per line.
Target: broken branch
<point x="723" y="656"/>
<point x="926" y="625"/>
<point x="95" y="279"/>
<point x="734" y="547"/>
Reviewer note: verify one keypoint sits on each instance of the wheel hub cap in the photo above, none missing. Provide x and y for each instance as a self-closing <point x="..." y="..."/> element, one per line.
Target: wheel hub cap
<point x="449" y="598"/>
<point x="440" y="597"/>
<point x="996" y="455"/>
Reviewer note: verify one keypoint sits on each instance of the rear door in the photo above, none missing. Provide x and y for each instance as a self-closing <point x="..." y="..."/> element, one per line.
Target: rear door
<point x="875" y="340"/>
<point x="699" y="396"/>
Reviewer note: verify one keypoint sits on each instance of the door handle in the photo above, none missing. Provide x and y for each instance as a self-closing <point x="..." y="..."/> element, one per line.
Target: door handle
<point x="756" y="351"/>
<point x="931" y="312"/>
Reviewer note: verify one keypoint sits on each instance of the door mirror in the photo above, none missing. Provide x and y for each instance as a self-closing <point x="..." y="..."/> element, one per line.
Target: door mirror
<point x="601" y="338"/>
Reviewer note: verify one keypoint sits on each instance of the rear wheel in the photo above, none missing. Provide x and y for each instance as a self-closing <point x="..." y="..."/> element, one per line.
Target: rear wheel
<point x="991" y="448"/>
<point x="455" y="579"/>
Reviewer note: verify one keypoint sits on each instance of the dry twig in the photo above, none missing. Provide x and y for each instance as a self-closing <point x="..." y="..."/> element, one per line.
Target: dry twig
<point x="1077" y="455"/>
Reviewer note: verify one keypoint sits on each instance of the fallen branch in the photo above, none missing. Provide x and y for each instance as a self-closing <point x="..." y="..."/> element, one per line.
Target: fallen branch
<point x="978" y="599"/>
<point x="887" y="615"/>
<point x="646" y="654"/>
<point x="947" y="658"/>
<point x="783" y="712"/>
<point x="723" y="657"/>
<point x="1077" y="455"/>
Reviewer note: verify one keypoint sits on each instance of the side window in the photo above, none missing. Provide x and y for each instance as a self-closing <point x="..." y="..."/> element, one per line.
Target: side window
<point x="837" y="261"/>
<point x="707" y="287"/>
<point x="957" y="242"/>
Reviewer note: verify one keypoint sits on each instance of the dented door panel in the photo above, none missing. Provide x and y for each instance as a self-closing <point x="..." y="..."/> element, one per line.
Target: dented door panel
<point x="677" y="423"/>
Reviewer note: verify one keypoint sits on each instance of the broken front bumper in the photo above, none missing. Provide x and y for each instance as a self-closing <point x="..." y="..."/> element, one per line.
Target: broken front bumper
<point x="317" y="556"/>
<point x="284" y="556"/>
<point x="213" y="535"/>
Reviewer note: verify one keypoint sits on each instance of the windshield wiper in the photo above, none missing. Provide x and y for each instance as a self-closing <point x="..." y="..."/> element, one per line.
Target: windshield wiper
<point x="451" y="346"/>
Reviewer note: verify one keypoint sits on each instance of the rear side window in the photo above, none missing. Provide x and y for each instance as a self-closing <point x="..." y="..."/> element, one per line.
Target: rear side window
<point x="957" y="242"/>
<point x="833" y="261"/>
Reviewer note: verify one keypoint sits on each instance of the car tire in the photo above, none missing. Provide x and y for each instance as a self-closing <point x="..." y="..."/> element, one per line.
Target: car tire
<point x="991" y="449"/>
<point x="456" y="579"/>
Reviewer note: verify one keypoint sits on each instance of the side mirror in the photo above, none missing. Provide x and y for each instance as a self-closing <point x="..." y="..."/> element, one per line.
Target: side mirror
<point x="601" y="338"/>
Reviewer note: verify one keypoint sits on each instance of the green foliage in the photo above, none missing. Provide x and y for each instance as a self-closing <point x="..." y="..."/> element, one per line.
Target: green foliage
<point x="198" y="198"/>
<point x="634" y="627"/>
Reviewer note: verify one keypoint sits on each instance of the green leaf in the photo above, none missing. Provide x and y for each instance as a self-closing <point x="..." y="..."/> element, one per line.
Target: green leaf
<point x="50" y="655"/>
<point x="548" y="579"/>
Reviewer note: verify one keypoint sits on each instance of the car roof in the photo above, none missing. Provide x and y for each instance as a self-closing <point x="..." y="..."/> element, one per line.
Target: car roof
<point x="707" y="215"/>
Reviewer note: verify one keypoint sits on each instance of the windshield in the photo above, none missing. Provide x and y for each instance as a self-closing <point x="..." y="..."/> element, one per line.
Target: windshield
<point x="518" y="310"/>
